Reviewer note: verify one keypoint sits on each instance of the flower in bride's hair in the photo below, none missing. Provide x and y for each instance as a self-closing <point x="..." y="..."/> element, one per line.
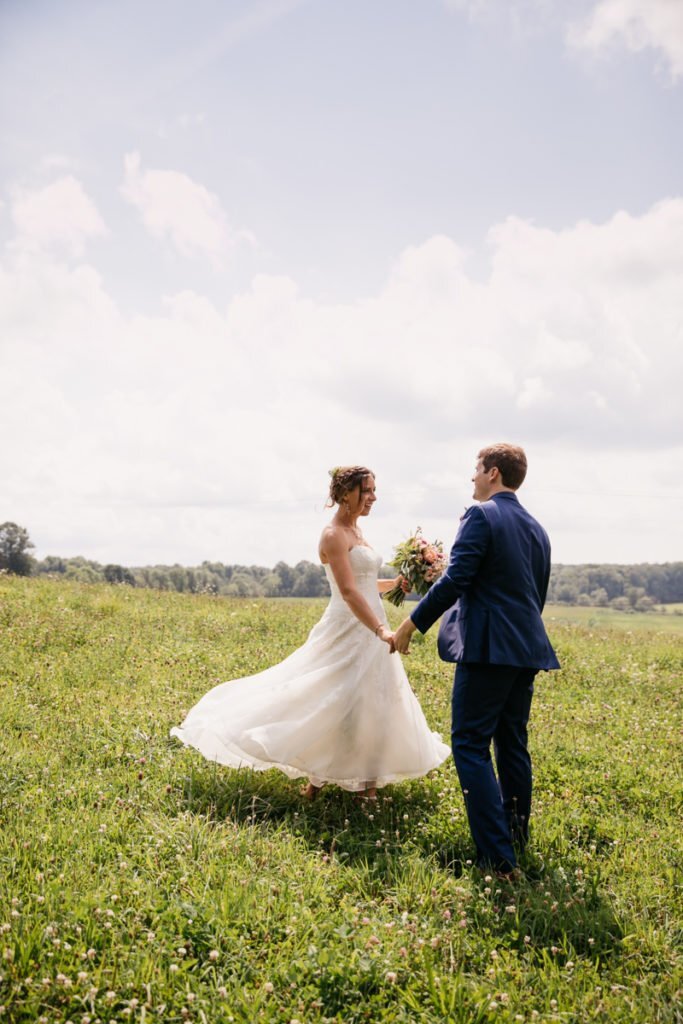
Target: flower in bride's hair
<point x="333" y="472"/>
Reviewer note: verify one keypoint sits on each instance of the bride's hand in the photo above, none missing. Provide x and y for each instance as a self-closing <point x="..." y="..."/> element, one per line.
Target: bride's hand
<point x="387" y="636"/>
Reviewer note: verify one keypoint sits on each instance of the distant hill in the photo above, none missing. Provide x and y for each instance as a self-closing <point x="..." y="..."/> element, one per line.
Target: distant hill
<point x="638" y="587"/>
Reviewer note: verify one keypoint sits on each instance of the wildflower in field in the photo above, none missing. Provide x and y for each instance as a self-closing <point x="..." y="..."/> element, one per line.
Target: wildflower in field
<point x="91" y="954"/>
<point x="213" y="955"/>
<point x="391" y="977"/>
<point x="268" y="987"/>
<point x="223" y="992"/>
<point x="110" y="996"/>
<point x="447" y="915"/>
<point x="173" y="968"/>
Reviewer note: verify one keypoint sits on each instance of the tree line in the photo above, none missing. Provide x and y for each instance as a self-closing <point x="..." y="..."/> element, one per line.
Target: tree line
<point x="624" y="587"/>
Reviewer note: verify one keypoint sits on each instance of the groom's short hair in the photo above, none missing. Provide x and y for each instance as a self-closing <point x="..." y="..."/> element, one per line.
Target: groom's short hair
<point x="510" y="461"/>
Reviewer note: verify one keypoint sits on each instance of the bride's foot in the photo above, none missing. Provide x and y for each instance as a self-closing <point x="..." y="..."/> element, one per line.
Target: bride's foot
<point x="310" y="791"/>
<point x="369" y="794"/>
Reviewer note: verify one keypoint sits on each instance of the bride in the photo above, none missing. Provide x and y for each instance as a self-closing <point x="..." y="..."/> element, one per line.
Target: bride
<point x="339" y="709"/>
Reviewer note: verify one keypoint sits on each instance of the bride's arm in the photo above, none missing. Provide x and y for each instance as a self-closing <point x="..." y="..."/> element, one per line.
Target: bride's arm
<point x="384" y="586"/>
<point x="334" y="546"/>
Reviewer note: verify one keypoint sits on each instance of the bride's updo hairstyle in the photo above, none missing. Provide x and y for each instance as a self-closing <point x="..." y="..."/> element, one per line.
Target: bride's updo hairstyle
<point x="343" y="480"/>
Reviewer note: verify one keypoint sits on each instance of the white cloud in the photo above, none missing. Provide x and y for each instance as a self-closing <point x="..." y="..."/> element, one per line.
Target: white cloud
<point x="592" y="25"/>
<point x="173" y="205"/>
<point x="59" y="215"/>
<point x="198" y="432"/>
<point x="637" y="25"/>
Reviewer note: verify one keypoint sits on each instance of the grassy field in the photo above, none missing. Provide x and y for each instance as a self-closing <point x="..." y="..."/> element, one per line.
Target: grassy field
<point x="140" y="883"/>
<point x="668" y="620"/>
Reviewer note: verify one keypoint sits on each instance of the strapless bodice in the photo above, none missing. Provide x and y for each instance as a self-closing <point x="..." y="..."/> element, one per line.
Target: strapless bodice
<point x="365" y="564"/>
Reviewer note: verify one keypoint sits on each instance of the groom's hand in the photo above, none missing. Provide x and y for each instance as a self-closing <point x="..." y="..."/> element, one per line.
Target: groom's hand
<point x="402" y="636"/>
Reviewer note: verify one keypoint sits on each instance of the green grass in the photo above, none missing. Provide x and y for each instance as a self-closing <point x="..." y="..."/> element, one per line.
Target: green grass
<point x="140" y="883"/>
<point x="667" y="620"/>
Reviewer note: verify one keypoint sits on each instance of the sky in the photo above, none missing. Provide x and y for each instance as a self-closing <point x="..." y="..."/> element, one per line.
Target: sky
<point x="242" y="243"/>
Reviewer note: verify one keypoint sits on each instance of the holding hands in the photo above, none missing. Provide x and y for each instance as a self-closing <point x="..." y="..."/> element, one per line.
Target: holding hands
<point x="401" y="638"/>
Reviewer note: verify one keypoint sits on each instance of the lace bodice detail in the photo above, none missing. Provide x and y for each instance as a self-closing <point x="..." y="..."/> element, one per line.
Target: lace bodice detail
<point x="365" y="564"/>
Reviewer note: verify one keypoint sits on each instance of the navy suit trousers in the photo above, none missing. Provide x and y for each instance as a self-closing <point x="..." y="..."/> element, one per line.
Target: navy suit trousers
<point x="491" y="703"/>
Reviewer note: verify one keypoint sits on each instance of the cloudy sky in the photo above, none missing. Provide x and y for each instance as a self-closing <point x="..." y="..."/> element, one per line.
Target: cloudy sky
<point x="244" y="241"/>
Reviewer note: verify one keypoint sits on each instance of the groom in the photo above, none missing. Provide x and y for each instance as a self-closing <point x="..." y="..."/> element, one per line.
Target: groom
<point x="493" y="594"/>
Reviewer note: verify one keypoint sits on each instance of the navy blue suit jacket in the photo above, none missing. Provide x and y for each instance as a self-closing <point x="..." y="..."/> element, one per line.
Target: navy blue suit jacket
<point x="494" y="589"/>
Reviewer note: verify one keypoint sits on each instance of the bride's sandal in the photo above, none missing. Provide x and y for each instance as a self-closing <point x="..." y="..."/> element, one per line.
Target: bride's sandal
<point x="310" y="791"/>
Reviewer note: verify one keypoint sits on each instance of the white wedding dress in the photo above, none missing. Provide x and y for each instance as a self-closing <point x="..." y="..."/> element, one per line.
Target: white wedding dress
<point x="338" y="710"/>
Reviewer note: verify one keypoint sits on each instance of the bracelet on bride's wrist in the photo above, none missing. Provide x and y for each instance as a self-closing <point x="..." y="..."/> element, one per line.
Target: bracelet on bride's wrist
<point x="379" y="626"/>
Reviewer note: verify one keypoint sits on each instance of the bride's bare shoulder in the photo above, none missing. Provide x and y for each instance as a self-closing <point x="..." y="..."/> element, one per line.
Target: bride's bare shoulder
<point x="332" y="541"/>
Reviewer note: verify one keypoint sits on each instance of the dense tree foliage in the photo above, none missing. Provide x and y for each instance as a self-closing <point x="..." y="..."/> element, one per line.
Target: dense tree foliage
<point x="14" y="546"/>
<point x="637" y="587"/>
<point x="302" y="580"/>
<point x="626" y="587"/>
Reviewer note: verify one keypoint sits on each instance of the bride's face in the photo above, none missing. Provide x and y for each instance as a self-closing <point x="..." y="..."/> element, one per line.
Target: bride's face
<point x="361" y="499"/>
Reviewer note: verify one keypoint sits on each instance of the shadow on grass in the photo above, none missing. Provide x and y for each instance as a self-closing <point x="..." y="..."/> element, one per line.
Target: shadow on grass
<point x="336" y="821"/>
<point x="557" y="908"/>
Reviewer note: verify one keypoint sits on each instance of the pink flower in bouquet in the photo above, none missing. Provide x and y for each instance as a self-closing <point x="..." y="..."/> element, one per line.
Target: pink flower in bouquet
<point x="419" y="562"/>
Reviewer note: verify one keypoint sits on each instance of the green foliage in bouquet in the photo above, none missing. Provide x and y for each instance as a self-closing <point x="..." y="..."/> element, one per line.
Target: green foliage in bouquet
<point x="418" y="561"/>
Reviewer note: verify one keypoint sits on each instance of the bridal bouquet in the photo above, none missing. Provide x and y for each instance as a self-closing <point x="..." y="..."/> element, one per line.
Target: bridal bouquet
<point x="419" y="562"/>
